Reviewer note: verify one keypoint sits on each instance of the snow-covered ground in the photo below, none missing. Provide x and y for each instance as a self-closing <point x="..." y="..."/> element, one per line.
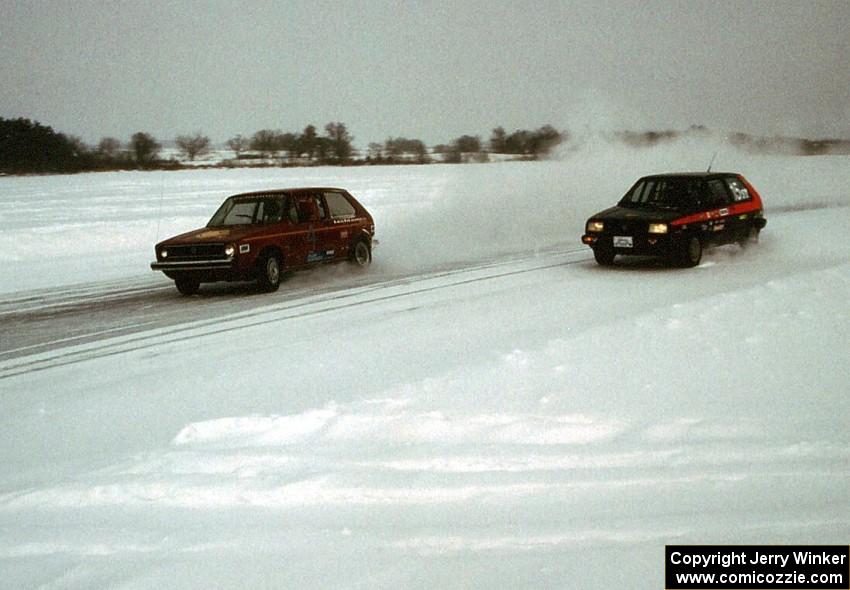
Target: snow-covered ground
<point x="489" y="410"/>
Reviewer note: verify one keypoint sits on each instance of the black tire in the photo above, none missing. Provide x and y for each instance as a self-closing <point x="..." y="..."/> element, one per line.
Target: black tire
<point x="270" y="273"/>
<point x="691" y="253"/>
<point x="751" y="238"/>
<point x="187" y="285"/>
<point x="361" y="254"/>
<point x="604" y="256"/>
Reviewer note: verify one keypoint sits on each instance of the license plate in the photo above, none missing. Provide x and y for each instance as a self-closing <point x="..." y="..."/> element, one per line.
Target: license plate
<point x="623" y="242"/>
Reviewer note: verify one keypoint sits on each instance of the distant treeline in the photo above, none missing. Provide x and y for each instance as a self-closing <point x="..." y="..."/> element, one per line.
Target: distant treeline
<point x="795" y="146"/>
<point x="30" y="147"/>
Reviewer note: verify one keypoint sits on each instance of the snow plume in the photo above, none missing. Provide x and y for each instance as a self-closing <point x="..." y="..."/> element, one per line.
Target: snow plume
<point x="475" y="212"/>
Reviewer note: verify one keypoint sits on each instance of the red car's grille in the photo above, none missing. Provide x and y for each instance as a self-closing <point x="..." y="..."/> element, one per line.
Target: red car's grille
<point x="196" y="252"/>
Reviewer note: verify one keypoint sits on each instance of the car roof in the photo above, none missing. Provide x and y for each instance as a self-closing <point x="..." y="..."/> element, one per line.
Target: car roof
<point x="692" y="175"/>
<point x="289" y="191"/>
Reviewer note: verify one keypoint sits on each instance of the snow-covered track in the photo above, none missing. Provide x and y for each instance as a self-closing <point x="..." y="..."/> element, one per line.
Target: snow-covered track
<point x="140" y="333"/>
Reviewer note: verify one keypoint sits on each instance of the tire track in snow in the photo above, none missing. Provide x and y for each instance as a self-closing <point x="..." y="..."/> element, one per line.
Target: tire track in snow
<point x="300" y="308"/>
<point x="84" y="313"/>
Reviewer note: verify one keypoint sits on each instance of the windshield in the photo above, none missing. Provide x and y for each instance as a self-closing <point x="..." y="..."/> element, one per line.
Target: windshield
<point x="665" y="193"/>
<point x="248" y="211"/>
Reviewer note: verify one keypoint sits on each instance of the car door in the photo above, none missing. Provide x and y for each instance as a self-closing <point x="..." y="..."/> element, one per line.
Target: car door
<point x="717" y="203"/>
<point x="343" y="221"/>
<point x="302" y="239"/>
<point x="276" y="215"/>
<point x="316" y="229"/>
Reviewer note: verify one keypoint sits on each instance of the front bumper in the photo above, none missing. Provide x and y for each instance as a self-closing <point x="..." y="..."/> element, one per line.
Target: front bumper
<point x="194" y="265"/>
<point x="642" y="245"/>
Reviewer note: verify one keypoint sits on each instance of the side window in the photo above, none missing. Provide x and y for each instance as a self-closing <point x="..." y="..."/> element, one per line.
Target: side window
<point x="718" y="196"/>
<point x="675" y="193"/>
<point x="310" y="208"/>
<point x="654" y="191"/>
<point x="291" y="210"/>
<point x="260" y="212"/>
<point x="270" y="210"/>
<point x="339" y="206"/>
<point x="738" y="190"/>
<point x="320" y="205"/>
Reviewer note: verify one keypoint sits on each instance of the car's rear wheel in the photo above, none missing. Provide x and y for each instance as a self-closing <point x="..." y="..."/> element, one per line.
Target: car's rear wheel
<point x="361" y="254"/>
<point x="604" y="256"/>
<point x="270" y="273"/>
<point x="187" y="285"/>
<point x="752" y="237"/>
<point x="691" y="252"/>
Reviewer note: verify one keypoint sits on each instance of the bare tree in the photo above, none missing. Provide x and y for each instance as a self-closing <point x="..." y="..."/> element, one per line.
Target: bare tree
<point x="463" y="145"/>
<point x="308" y="142"/>
<point x="238" y="144"/>
<point x="265" y="141"/>
<point x="468" y="144"/>
<point x="144" y="148"/>
<point x="340" y="141"/>
<point x="109" y="148"/>
<point x="497" y="140"/>
<point x="518" y="142"/>
<point x="376" y="151"/>
<point x="402" y="146"/>
<point x="545" y="139"/>
<point x="286" y="142"/>
<point x="193" y="146"/>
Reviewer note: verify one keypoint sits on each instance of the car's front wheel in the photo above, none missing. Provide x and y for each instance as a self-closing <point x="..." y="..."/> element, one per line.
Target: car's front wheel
<point x="361" y="255"/>
<point x="604" y="256"/>
<point x="270" y="273"/>
<point x="691" y="253"/>
<point x="187" y="285"/>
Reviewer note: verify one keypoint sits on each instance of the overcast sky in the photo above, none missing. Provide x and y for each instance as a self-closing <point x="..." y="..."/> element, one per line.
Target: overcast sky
<point x="429" y="70"/>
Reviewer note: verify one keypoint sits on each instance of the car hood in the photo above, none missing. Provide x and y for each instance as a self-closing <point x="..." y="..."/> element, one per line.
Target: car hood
<point x="647" y="214"/>
<point x="203" y="235"/>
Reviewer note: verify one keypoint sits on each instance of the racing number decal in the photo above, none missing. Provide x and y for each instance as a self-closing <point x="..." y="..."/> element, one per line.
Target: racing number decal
<point x="739" y="193"/>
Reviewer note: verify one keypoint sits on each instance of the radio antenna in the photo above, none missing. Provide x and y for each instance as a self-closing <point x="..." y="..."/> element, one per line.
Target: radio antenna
<point x="712" y="161"/>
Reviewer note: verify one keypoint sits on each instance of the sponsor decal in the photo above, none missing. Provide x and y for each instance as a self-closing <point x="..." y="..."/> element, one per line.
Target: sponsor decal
<point x="318" y="256"/>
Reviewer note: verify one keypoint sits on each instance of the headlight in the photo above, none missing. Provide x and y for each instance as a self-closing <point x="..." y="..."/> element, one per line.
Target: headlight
<point x="658" y="228"/>
<point x="595" y="226"/>
<point x="163" y="253"/>
<point x="229" y="250"/>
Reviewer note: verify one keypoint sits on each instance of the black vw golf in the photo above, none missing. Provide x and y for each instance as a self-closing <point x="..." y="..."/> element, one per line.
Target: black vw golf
<point x="676" y="216"/>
